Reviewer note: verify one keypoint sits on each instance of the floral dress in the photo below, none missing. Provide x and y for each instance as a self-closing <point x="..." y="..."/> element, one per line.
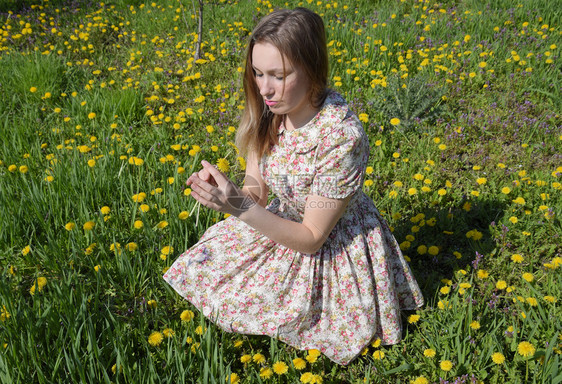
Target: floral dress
<point x="336" y="300"/>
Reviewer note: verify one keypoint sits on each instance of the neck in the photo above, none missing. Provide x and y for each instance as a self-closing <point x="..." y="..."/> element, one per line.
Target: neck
<point x="292" y="122"/>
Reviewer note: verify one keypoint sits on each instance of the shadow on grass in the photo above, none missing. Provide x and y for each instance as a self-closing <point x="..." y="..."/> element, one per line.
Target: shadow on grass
<point x="463" y="237"/>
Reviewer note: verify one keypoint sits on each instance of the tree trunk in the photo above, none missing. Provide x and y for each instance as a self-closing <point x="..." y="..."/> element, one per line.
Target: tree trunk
<point x="199" y="32"/>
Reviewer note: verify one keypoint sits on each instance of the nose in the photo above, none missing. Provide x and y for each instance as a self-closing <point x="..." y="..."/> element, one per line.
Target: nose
<point x="264" y="86"/>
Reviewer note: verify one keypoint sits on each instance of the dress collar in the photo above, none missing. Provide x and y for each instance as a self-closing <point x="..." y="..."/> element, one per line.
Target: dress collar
<point x="333" y="111"/>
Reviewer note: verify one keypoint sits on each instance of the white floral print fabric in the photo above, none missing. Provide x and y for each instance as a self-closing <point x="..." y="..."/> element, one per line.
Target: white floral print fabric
<point x="337" y="300"/>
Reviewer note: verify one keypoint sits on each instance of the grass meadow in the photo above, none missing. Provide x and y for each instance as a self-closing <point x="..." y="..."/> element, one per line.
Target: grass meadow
<point x="104" y="113"/>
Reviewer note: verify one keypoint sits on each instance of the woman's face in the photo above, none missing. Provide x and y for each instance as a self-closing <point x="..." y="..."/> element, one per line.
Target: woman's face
<point x="285" y="92"/>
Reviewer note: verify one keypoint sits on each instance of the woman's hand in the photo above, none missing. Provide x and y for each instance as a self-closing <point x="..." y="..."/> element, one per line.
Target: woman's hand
<point x="214" y="190"/>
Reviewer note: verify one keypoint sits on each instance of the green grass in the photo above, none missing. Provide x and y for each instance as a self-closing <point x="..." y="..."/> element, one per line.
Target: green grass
<point x="470" y="188"/>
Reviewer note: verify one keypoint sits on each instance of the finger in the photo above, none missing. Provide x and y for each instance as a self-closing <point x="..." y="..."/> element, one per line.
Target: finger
<point x="204" y="201"/>
<point x="199" y="198"/>
<point x="192" y="178"/>
<point x="204" y="189"/>
<point x="215" y="173"/>
<point x="204" y="174"/>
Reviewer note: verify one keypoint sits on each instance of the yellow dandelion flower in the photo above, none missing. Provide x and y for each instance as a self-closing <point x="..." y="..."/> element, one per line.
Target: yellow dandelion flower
<point x="482" y="274"/>
<point x="187" y="315"/>
<point x="89" y="225"/>
<point x="519" y="200"/>
<point x="306" y="377"/>
<point x="167" y="250"/>
<point x="395" y="121"/>
<point x="139" y="197"/>
<point x="223" y="165"/>
<point x="433" y="250"/>
<point x="131" y="247"/>
<point x="245" y="359"/>
<point x="234" y="378"/>
<point x="258" y="358"/>
<point x="38" y="285"/>
<point x="4" y="314"/>
<point x="446" y="365"/>
<point x="525" y="349"/>
<point x="311" y="358"/>
<point x="475" y="325"/>
<point x="413" y="319"/>
<point x="378" y="355"/>
<point x="162" y="224"/>
<point x="532" y="301"/>
<point x="280" y="368"/>
<point x="155" y="338"/>
<point x="136" y="161"/>
<point x="429" y="352"/>
<point x="41" y="282"/>
<point x="528" y="277"/>
<point x="501" y="284"/>
<point x="168" y="332"/>
<point x="516" y="258"/>
<point x="299" y="363"/>
<point x="266" y="373"/>
<point x="498" y="358"/>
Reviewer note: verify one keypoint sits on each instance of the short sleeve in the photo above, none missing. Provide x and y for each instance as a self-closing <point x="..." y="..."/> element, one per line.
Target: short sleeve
<point x="341" y="160"/>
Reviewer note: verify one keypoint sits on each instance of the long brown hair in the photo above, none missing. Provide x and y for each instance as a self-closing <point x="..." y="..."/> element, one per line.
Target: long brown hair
<point x="300" y="36"/>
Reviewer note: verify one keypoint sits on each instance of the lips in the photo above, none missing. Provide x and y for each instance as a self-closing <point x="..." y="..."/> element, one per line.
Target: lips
<point x="270" y="103"/>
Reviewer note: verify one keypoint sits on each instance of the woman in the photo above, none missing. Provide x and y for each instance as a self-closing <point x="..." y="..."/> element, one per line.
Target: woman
<point x="317" y="267"/>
